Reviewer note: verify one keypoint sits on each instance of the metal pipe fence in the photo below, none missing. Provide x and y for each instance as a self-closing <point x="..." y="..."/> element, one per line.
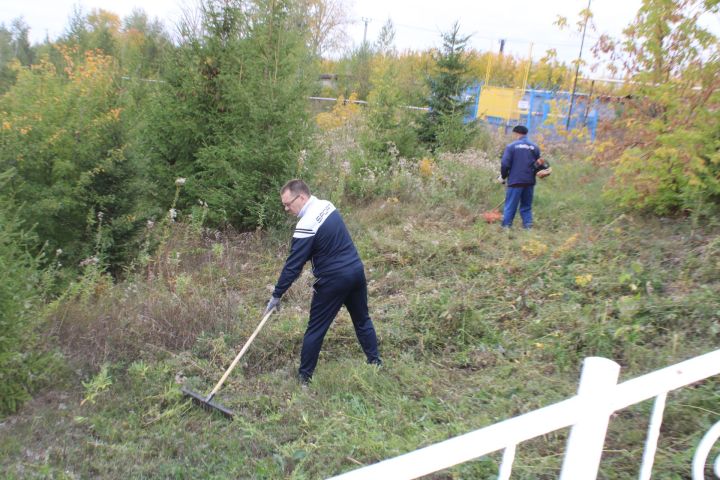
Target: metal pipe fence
<point x="587" y="414"/>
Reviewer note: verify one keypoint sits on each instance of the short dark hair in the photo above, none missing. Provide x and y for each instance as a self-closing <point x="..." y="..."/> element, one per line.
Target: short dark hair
<point x="521" y="129"/>
<point x="295" y="186"/>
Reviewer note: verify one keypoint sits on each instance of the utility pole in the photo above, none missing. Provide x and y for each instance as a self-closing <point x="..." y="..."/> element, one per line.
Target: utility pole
<point x="502" y="45"/>
<point x="577" y="69"/>
<point x="366" y="20"/>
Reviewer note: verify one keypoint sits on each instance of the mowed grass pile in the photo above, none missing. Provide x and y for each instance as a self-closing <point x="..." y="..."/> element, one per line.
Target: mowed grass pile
<point x="475" y="326"/>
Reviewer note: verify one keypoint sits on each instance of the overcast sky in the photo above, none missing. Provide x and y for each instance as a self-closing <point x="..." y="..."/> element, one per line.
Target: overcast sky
<point x="519" y="22"/>
<point x="418" y="23"/>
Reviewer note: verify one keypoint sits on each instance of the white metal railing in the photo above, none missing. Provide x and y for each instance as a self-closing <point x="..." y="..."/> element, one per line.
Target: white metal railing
<point x="588" y="413"/>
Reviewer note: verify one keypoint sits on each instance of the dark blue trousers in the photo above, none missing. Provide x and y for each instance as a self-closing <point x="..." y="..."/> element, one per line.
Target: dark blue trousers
<point x="347" y="288"/>
<point x="515" y="196"/>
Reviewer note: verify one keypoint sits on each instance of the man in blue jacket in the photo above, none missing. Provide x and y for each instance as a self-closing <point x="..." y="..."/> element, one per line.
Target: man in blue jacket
<point x="520" y="163"/>
<point x="322" y="237"/>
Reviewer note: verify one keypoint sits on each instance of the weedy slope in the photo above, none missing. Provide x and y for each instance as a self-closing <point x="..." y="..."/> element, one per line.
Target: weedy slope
<point x="475" y="325"/>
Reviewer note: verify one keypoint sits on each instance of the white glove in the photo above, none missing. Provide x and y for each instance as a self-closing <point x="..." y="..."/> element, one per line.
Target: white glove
<point x="500" y="180"/>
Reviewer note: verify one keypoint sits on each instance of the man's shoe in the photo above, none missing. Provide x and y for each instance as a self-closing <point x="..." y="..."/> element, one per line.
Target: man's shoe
<point x="304" y="380"/>
<point x="376" y="361"/>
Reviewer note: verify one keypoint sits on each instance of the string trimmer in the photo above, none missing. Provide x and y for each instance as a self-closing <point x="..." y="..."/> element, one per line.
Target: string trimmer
<point x="206" y="401"/>
<point x="493" y="215"/>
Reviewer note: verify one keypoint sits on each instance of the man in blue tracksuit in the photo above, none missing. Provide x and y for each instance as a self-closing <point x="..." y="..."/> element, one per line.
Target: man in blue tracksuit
<point x="322" y="237"/>
<point x="520" y="163"/>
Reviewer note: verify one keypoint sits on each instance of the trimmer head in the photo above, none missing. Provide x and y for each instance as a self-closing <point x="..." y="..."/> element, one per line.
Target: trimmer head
<point x="209" y="405"/>
<point x="492" y="216"/>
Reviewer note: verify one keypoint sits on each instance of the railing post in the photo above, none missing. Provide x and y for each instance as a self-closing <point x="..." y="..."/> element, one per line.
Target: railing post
<point x="587" y="437"/>
<point x="652" y="437"/>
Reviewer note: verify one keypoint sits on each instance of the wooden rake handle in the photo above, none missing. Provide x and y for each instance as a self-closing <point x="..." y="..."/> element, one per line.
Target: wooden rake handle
<point x="239" y="355"/>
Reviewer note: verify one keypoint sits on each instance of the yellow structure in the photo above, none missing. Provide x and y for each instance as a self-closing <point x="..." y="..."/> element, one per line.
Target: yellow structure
<point x="499" y="102"/>
<point x="503" y="102"/>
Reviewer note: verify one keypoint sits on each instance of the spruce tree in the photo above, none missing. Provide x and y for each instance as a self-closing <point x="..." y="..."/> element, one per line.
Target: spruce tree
<point x="232" y="117"/>
<point x="446" y="102"/>
<point x="21" y="364"/>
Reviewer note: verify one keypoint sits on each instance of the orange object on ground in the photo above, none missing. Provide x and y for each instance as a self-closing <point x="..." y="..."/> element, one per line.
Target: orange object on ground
<point x="492" y="216"/>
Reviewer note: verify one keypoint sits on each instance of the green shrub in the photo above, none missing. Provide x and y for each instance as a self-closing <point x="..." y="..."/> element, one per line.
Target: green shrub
<point x="21" y="362"/>
<point x="678" y="171"/>
<point x="389" y="128"/>
<point x="670" y="160"/>
<point x="453" y="135"/>
<point x="232" y="116"/>
<point x="62" y="133"/>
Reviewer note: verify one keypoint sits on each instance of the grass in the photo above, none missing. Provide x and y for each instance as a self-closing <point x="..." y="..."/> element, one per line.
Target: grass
<point x="475" y="326"/>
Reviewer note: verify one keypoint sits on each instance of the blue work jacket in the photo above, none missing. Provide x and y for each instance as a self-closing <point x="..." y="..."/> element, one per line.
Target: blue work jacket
<point x="518" y="162"/>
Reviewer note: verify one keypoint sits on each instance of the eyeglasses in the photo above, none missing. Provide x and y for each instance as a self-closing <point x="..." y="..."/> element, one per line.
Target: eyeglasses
<point x="287" y="205"/>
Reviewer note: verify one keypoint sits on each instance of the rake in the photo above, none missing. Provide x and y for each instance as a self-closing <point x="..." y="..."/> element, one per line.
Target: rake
<point x="206" y="402"/>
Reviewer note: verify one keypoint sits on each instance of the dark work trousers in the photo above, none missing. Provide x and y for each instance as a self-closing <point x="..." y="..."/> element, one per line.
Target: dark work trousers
<point x="522" y="196"/>
<point x="347" y="288"/>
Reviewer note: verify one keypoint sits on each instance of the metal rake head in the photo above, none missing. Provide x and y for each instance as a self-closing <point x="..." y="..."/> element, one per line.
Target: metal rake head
<point x="208" y="404"/>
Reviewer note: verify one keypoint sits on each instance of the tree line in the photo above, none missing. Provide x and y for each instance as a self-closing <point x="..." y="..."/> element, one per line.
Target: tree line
<point x="100" y="122"/>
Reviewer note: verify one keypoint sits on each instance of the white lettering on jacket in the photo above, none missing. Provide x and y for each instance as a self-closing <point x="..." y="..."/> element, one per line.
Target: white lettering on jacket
<point x="316" y="214"/>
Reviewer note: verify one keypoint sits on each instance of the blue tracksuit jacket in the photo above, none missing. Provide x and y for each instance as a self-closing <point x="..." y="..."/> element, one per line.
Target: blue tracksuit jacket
<point x="321" y="237"/>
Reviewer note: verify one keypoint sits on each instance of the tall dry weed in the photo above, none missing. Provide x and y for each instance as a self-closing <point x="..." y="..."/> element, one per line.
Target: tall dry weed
<point x="190" y="287"/>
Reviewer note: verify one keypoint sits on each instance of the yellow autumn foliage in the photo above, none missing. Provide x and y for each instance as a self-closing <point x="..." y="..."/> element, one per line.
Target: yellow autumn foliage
<point x="342" y="113"/>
